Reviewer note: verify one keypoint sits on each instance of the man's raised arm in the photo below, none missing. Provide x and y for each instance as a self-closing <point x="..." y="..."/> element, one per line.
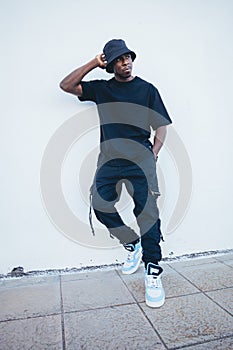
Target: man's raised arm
<point x="71" y="83"/>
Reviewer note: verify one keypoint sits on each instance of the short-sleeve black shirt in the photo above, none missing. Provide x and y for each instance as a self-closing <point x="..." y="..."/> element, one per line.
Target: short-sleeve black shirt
<point x="127" y="111"/>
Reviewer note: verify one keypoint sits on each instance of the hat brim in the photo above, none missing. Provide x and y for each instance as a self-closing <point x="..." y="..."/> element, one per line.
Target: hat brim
<point x="109" y="67"/>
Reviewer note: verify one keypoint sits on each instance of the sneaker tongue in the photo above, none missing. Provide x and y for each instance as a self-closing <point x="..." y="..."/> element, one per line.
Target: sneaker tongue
<point x="153" y="269"/>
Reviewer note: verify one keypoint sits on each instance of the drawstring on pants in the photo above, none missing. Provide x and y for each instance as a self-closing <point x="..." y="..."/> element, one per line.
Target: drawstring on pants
<point x="90" y="213"/>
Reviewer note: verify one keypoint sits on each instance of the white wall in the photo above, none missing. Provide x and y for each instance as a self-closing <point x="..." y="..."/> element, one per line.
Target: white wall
<point x="184" y="47"/>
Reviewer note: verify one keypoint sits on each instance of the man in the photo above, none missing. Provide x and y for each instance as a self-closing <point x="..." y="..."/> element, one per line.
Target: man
<point x="128" y="108"/>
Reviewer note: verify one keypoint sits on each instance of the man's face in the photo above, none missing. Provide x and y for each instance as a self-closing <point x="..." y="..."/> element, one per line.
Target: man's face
<point x="123" y="65"/>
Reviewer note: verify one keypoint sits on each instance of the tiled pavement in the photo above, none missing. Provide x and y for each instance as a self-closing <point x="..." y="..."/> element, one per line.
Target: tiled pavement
<point x="103" y="309"/>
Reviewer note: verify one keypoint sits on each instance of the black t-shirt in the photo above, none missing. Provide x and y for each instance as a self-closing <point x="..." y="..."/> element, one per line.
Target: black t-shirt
<point x="127" y="112"/>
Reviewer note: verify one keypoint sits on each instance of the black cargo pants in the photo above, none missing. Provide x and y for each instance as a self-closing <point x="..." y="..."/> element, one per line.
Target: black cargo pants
<point x="141" y="183"/>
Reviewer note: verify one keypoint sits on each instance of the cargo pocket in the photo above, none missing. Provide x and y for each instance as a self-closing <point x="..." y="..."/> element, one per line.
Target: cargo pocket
<point x="153" y="194"/>
<point x="153" y="186"/>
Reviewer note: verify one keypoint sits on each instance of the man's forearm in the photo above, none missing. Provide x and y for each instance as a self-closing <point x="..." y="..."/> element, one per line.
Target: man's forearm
<point x="70" y="82"/>
<point x="159" y="139"/>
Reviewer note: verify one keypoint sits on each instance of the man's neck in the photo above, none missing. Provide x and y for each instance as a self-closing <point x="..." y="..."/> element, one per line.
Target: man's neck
<point x="122" y="79"/>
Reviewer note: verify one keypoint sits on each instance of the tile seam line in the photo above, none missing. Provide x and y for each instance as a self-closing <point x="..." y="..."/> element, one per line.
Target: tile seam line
<point x="204" y="292"/>
<point x="197" y="292"/>
<point x="118" y="305"/>
<point x="62" y="317"/>
<point x="200" y="343"/>
<point x="224" y="262"/>
<point x="144" y="314"/>
<point x="188" y="280"/>
<point x="179" y="273"/>
<point x="98" y="308"/>
<point x="228" y="312"/>
<point x="30" y="317"/>
<point x="28" y="285"/>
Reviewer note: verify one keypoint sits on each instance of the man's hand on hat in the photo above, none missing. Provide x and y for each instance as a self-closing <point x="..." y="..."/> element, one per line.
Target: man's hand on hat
<point x="102" y="62"/>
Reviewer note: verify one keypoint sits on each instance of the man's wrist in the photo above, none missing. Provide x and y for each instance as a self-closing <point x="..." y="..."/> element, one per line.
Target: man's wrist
<point x="96" y="62"/>
<point x="155" y="155"/>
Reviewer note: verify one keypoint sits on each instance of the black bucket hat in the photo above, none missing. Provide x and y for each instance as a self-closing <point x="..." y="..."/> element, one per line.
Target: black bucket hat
<point x="113" y="49"/>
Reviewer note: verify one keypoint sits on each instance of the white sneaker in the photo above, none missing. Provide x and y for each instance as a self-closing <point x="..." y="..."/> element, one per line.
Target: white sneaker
<point x="155" y="296"/>
<point x="133" y="259"/>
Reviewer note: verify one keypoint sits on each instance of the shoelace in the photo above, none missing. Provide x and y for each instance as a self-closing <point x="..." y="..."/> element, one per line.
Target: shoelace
<point x="130" y="256"/>
<point x="152" y="281"/>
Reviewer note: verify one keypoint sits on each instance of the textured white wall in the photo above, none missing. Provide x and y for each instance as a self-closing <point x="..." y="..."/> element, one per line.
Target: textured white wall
<point x="183" y="47"/>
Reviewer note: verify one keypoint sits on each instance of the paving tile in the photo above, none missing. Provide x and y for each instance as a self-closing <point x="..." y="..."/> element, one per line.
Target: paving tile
<point x="179" y="265"/>
<point x="189" y="319"/>
<point x="135" y="283"/>
<point x="95" y="290"/>
<point x="35" y="333"/>
<point x="30" y="299"/>
<point x="224" y="298"/>
<point x="89" y="274"/>
<point x="28" y="280"/>
<point x="173" y="283"/>
<point x="208" y="276"/>
<point x="221" y="344"/>
<point x="226" y="258"/>
<point x="121" y="327"/>
<point x="223" y="257"/>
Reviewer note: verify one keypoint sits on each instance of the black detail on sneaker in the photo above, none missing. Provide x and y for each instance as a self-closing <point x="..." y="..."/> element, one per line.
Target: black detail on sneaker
<point x="153" y="269"/>
<point x="129" y="247"/>
<point x="152" y="262"/>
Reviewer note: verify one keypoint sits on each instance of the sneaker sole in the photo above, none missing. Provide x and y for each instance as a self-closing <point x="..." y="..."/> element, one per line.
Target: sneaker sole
<point x="155" y="304"/>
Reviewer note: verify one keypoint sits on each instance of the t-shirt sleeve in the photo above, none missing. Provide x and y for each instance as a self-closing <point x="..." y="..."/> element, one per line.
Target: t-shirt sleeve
<point x="158" y="113"/>
<point x="89" y="90"/>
